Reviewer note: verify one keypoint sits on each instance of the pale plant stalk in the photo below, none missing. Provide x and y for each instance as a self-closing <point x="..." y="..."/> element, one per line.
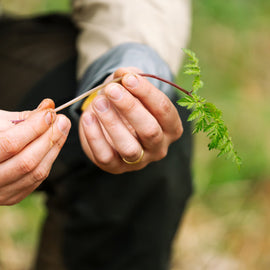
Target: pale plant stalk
<point x="101" y="86"/>
<point x="86" y="94"/>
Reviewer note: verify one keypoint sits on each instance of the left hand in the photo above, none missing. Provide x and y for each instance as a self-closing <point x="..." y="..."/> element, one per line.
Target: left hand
<point x="125" y="120"/>
<point x="29" y="149"/>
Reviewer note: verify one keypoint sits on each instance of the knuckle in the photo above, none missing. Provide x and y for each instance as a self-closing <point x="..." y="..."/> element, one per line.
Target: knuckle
<point x="131" y="153"/>
<point x="165" y="105"/>
<point x="34" y="128"/>
<point x="112" y="126"/>
<point x="105" y="159"/>
<point x="162" y="153"/>
<point x="131" y="105"/>
<point x="9" y="145"/>
<point x="153" y="134"/>
<point x="40" y="174"/>
<point x="27" y="165"/>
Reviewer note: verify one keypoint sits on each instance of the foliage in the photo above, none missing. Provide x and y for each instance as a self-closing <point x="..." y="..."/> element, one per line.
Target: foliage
<point x="208" y="118"/>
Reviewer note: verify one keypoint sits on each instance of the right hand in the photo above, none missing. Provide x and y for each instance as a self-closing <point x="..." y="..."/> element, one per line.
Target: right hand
<point x="28" y="149"/>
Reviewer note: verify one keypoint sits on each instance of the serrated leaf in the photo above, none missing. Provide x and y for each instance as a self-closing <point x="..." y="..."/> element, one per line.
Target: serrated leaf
<point x="199" y="125"/>
<point x="186" y="102"/>
<point x="189" y="53"/>
<point x="197" y="84"/>
<point x="194" y="115"/>
<point x="212" y="133"/>
<point x="190" y="65"/>
<point x="237" y="160"/>
<point x="208" y="118"/>
<point x="213" y="143"/>
<point x="210" y="127"/>
<point x="226" y="148"/>
<point x="192" y="55"/>
<point x="192" y="72"/>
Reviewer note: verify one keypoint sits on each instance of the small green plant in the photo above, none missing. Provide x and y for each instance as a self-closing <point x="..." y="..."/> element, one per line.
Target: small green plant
<point x="207" y="117"/>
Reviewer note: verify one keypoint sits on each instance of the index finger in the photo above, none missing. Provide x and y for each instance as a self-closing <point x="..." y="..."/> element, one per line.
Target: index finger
<point x="14" y="139"/>
<point x="154" y="100"/>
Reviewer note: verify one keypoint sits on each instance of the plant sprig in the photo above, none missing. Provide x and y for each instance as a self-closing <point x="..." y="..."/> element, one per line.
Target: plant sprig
<point x="207" y="117"/>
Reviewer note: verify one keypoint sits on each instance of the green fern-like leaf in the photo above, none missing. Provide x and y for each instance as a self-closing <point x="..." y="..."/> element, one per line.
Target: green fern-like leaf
<point x="207" y="117"/>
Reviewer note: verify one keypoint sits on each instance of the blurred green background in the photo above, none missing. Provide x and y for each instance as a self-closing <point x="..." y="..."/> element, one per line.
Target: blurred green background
<point x="226" y="223"/>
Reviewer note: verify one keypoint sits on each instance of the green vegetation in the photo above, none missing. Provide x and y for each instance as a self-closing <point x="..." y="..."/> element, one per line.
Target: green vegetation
<point x="208" y="118"/>
<point x="29" y="7"/>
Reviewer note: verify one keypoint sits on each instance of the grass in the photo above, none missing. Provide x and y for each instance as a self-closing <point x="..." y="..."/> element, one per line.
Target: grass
<point x="28" y="7"/>
<point x="19" y="230"/>
<point x="226" y="224"/>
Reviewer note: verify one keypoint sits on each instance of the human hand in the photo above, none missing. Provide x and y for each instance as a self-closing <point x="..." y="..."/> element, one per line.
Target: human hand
<point x="125" y="120"/>
<point x="28" y="149"/>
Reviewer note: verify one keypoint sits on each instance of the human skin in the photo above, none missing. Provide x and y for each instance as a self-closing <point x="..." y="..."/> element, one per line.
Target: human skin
<point x="28" y="149"/>
<point x="125" y="119"/>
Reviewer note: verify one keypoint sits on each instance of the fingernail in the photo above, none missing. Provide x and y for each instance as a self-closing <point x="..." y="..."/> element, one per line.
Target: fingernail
<point x="88" y="118"/>
<point x="102" y="105"/>
<point x="45" y="103"/>
<point x="131" y="81"/>
<point x="50" y="117"/>
<point x="63" y="125"/>
<point x="40" y="106"/>
<point x="114" y="92"/>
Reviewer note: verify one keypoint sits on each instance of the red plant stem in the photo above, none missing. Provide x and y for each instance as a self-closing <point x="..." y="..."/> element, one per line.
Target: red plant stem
<point x="103" y="85"/>
<point x="166" y="81"/>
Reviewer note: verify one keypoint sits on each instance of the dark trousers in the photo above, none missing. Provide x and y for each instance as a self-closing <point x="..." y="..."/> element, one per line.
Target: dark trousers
<point x="95" y="220"/>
